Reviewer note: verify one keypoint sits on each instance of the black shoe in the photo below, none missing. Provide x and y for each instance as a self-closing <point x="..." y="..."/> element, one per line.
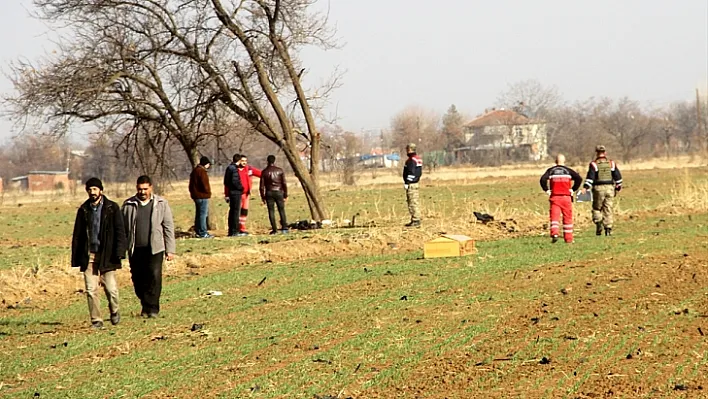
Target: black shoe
<point x="608" y="231"/>
<point x="554" y="239"/>
<point x="414" y="223"/>
<point x="97" y="324"/>
<point x="273" y="232"/>
<point x="115" y="318"/>
<point x="598" y="229"/>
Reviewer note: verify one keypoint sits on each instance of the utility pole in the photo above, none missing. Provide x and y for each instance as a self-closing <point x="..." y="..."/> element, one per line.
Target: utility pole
<point x="699" y="120"/>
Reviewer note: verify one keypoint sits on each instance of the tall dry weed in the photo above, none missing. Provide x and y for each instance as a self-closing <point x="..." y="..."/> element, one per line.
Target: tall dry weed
<point x="686" y="196"/>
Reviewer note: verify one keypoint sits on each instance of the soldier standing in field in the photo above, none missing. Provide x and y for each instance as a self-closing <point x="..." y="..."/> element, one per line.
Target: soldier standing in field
<point x="560" y="182"/>
<point x="412" y="170"/>
<point x="605" y="180"/>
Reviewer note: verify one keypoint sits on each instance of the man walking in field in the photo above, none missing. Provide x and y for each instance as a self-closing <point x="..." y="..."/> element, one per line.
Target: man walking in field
<point x="200" y="191"/>
<point x="151" y="239"/>
<point x="412" y="170"/>
<point x="605" y="180"/>
<point x="97" y="247"/>
<point x="274" y="192"/>
<point x="560" y="182"/>
<point x="244" y="172"/>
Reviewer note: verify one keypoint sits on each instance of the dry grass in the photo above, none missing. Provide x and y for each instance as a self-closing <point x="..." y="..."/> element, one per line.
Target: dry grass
<point x="686" y="196"/>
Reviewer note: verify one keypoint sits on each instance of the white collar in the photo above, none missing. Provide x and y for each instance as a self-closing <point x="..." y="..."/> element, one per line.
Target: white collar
<point x="143" y="203"/>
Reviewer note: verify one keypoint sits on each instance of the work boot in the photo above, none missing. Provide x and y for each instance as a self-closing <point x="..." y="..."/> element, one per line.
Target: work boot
<point x="608" y="231"/>
<point x="413" y="223"/>
<point x="554" y="239"/>
<point x="97" y="324"/>
<point x="115" y="318"/>
<point x="598" y="228"/>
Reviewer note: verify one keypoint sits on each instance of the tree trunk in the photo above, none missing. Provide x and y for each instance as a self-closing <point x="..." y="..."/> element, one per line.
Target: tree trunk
<point x="309" y="185"/>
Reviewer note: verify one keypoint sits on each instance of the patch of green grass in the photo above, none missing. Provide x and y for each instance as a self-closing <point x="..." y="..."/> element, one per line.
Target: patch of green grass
<point x="325" y="325"/>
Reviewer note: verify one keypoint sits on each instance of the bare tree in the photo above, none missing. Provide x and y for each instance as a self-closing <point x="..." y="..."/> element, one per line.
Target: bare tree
<point x="530" y="98"/>
<point x="163" y="68"/>
<point x="574" y="130"/>
<point x="416" y="125"/>
<point x="453" y="128"/>
<point x="626" y="123"/>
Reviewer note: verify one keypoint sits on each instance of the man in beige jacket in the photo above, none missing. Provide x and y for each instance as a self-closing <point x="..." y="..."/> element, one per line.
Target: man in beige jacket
<point x="151" y="239"/>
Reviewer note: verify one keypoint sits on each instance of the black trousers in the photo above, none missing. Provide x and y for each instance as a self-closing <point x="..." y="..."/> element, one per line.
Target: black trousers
<point x="234" y="212"/>
<point x="146" y="273"/>
<point x="274" y="198"/>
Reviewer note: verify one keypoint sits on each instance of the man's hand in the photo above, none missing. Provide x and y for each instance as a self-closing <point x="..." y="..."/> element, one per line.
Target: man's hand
<point x="405" y="186"/>
<point x="170" y="257"/>
<point x="618" y="188"/>
<point x="285" y="199"/>
<point x="227" y="199"/>
<point x="585" y="190"/>
<point x="548" y="192"/>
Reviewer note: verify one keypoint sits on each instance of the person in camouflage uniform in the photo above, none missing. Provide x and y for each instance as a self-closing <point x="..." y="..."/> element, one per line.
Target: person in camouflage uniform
<point x="412" y="170"/>
<point x="605" y="180"/>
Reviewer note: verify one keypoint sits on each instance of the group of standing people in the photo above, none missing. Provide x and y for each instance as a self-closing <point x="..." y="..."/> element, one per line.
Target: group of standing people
<point x="561" y="182"/>
<point x="238" y="186"/>
<point x="143" y="228"/>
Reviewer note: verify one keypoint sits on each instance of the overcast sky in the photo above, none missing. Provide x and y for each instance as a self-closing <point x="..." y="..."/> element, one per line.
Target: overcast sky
<point x="436" y="53"/>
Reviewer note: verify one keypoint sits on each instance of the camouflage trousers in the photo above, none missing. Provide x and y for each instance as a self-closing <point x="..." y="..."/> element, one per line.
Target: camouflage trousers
<point x="602" y="200"/>
<point x="413" y="199"/>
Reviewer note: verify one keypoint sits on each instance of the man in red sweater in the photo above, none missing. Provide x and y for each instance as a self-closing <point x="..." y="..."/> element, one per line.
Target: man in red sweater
<point x="245" y="171"/>
<point x="563" y="182"/>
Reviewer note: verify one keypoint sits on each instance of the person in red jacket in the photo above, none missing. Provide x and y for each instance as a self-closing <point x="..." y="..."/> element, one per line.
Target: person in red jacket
<point x="245" y="171"/>
<point x="559" y="182"/>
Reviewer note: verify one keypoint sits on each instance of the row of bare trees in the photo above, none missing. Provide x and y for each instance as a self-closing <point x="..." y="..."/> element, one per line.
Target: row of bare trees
<point x="629" y="129"/>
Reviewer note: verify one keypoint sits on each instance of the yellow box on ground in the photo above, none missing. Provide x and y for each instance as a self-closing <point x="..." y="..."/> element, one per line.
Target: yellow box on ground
<point x="449" y="245"/>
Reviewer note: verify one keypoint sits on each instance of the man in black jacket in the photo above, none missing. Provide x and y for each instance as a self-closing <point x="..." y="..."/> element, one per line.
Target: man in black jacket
<point x="412" y="171"/>
<point x="98" y="245"/>
<point x="274" y="191"/>
<point x="233" y="189"/>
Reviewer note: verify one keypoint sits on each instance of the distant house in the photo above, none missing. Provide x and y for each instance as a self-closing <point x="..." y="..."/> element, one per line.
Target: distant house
<point x="37" y="181"/>
<point x="500" y="136"/>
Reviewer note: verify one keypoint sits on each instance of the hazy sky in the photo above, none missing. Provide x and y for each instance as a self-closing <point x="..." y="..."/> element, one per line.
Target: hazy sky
<point x="436" y="53"/>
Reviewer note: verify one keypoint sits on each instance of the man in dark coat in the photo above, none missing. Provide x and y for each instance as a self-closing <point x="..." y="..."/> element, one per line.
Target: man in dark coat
<point x="274" y="192"/>
<point x="98" y="245"/>
<point x="200" y="191"/>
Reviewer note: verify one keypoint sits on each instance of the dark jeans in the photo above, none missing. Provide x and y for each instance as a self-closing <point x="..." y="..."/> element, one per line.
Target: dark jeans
<point x="234" y="212"/>
<point x="200" y="216"/>
<point x="274" y="198"/>
<point x="146" y="273"/>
